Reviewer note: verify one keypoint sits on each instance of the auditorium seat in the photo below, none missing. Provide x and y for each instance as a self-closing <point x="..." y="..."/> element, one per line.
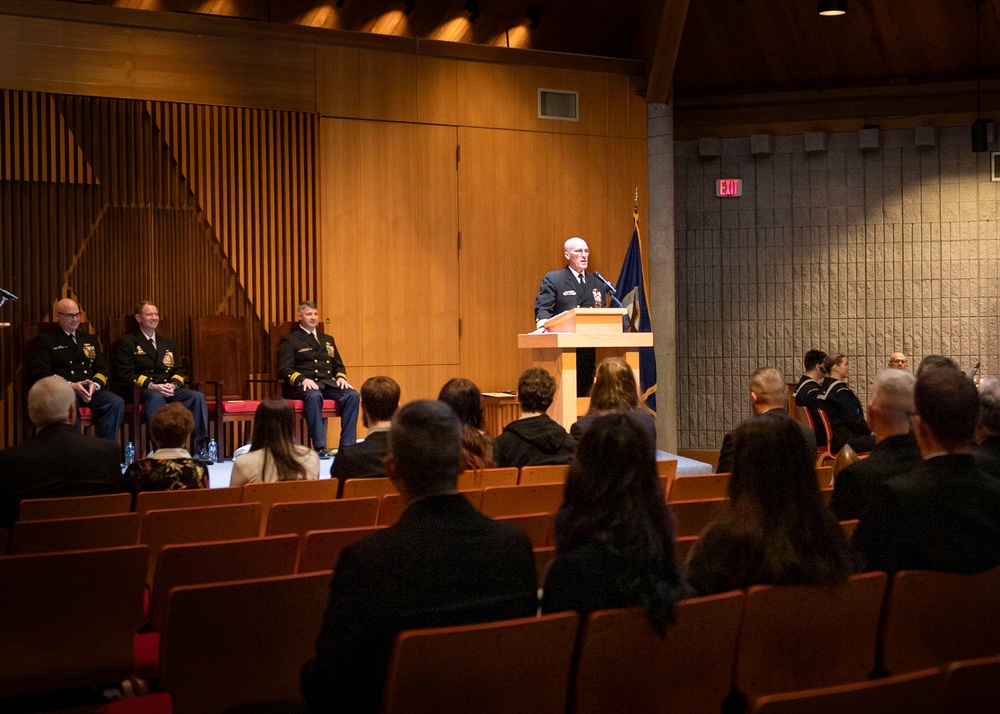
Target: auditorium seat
<point x="512" y="666"/>
<point x="321" y="549"/>
<point x="487" y="478"/>
<point x="824" y="476"/>
<point x="699" y="488"/>
<point x="87" y="533"/>
<point x="690" y="518"/>
<point x="849" y="526"/>
<point x="915" y="693"/>
<point x="623" y="666"/>
<point x="666" y="468"/>
<point x="321" y="515"/>
<point x="158" y="703"/>
<point x="932" y="619"/>
<point x="682" y="549"/>
<point x="973" y="686"/>
<point x="40" y="509"/>
<point x="229" y="643"/>
<point x="538" y="526"/>
<point x="390" y="508"/>
<point x="521" y="500"/>
<point x="185" y="498"/>
<point x="803" y="636"/>
<point x="535" y="475"/>
<point x="68" y="619"/>
<point x="267" y="494"/>
<point x="367" y="487"/>
<point x="543" y="558"/>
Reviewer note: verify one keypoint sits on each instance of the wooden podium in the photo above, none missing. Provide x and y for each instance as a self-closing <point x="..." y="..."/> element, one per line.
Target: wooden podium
<point x="555" y="350"/>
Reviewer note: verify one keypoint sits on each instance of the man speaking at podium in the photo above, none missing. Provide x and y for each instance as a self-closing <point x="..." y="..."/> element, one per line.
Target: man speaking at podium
<point x="565" y="289"/>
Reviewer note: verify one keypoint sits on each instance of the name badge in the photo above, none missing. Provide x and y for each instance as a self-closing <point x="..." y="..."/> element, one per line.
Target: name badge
<point x="567" y="293"/>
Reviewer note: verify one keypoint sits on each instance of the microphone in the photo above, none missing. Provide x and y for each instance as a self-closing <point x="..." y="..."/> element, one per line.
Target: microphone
<point x="7" y="294"/>
<point x="611" y="288"/>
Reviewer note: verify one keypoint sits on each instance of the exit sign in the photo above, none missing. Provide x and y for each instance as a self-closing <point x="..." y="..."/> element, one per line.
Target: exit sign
<point x="729" y="188"/>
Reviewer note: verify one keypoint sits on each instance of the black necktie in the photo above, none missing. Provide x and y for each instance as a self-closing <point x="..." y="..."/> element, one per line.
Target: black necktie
<point x="583" y="283"/>
<point x="315" y="339"/>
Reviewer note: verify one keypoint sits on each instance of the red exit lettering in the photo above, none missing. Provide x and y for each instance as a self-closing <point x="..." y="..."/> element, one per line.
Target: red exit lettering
<point x="728" y="188"/>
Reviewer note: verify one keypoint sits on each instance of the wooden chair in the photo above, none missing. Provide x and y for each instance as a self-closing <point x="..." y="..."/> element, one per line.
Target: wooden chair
<point x="487" y="478"/>
<point x="824" y="476"/>
<point x="917" y="693"/>
<point x="390" y="508"/>
<point x="186" y="498"/>
<point x="219" y="360"/>
<point x="666" y="470"/>
<point x="86" y="533"/>
<point x="268" y="494"/>
<point x="321" y="549"/>
<point x="845" y="457"/>
<point x="535" y="475"/>
<point x="699" y="488"/>
<point x="538" y="526"/>
<point x="692" y="517"/>
<point x="198" y="525"/>
<point x="277" y="331"/>
<point x="973" y="686"/>
<point x="825" y="457"/>
<point x="624" y="666"/>
<point x="366" y="487"/>
<point x="543" y="559"/>
<point x="525" y="664"/>
<point x="218" y="651"/>
<point x="321" y="515"/>
<point x="932" y="619"/>
<point x="41" y="509"/>
<point x="709" y="456"/>
<point x="803" y="636"/>
<point x="68" y="619"/>
<point x="521" y="500"/>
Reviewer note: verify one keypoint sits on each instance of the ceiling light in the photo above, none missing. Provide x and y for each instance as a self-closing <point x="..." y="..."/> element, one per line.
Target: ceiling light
<point x="831" y="8"/>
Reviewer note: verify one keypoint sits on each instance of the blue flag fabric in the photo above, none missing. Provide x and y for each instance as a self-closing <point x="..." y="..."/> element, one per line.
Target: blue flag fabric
<point x="632" y="293"/>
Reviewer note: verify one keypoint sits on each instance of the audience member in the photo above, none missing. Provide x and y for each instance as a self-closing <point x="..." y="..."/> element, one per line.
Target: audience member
<point x="842" y="406"/>
<point x="897" y="360"/>
<point x="935" y="361"/>
<point x="615" y="390"/>
<point x="767" y="401"/>
<point x="890" y="406"/>
<point x="170" y="466"/>
<point x="273" y="455"/>
<point x="944" y="514"/>
<point x="442" y="564"/>
<point x="59" y="461"/>
<point x="614" y="539"/>
<point x="778" y="530"/>
<point x="808" y="390"/>
<point x="366" y="459"/>
<point x="465" y="398"/>
<point x="534" y="438"/>
<point x="987" y="449"/>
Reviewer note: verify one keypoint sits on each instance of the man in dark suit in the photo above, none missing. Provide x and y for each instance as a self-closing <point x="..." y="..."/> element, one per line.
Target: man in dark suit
<point x="442" y="564"/>
<point x="565" y="289"/>
<point x="987" y="449"/>
<point x="76" y="357"/>
<point x="767" y="401"/>
<point x="943" y="515"/>
<point x="311" y="370"/>
<point x="366" y="459"/>
<point x="152" y="362"/>
<point x="896" y="452"/>
<point x="59" y="461"/>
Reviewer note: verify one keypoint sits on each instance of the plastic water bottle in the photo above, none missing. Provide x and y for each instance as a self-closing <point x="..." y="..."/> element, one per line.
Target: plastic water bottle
<point x="213" y="451"/>
<point x="129" y="454"/>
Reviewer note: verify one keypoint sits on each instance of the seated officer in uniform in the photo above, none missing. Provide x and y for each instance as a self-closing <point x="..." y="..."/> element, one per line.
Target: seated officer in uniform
<point x="76" y="357"/>
<point x="311" y="369"/>
<point x="152" y="361"/>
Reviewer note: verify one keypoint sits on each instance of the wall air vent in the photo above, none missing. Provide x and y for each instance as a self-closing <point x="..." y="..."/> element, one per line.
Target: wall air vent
<point x="558" y="104"/>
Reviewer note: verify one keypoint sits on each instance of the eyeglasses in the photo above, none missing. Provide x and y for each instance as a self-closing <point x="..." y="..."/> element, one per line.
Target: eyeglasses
<point x="580" y="251"/>
<point x="70" y="315"/>
<point x="897" y="361"/>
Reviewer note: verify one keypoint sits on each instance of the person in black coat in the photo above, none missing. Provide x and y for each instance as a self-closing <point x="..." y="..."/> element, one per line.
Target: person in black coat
<point x="442" y="564"/>
<point x="808" y="390"/>
<point x="987" y="449"/>
<point x="534" y="439"/>
<point x="59" y="461"/>
<point x="366" y="459"/>
<point x="944" y="515"/>
<point x="841" y="404"/>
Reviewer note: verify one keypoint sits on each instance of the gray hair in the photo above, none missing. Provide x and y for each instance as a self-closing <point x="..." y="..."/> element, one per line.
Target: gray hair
<point x="989" y="405"/>
<point x="49" y="401"/>
<point x="307" y="304"/>
<point x="893" y="391"/>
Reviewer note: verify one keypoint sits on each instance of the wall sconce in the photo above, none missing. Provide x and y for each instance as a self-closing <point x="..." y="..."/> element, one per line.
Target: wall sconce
<point x="832" y="8"/>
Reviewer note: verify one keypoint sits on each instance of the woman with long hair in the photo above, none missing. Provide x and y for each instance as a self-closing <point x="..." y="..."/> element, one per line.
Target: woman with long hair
<point x="615" y="391"/>
<point x="614" y="537"/>
<point x="273" y="455"/>
<point x="778" y="530"/>
<point x="464" y="397"/>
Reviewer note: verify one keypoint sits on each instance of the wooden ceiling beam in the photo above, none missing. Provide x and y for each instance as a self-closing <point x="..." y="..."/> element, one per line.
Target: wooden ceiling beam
<point x="660" y="66"/>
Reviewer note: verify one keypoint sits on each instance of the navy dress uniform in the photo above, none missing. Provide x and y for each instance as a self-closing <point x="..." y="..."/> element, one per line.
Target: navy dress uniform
<point x="76" y="358"/>
<point x="145" y="362"/>
<point x="302" y="356"/>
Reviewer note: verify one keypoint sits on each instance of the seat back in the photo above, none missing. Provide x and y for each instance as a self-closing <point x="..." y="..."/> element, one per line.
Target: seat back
<point x="390" y="508"/>
<point x="84" y="533"/>
<point x="932" y="619"/>
<point x="198" y="525"/>
<point x="41" y="509"/>
<point x="268" y="494"/>
<point x="219" y="354"/>
<point x="692" y="517"/>
<point x="69" y="619"/>
<point x="666" y="468"/>
<point x="487" y="478"/>
<point x="543" y="559"/>
<point x="803" y="636"/>
<point x="521" y="500"/>
<point x="523" y="663"/>
<point x="217" y="562"/>
<point x="824" y="419"/>
<point x="699" y="488"/>
<point x="538" y="526"/>
<point x="973" y="686"/>
<point x="624" y="666"/>
<point x="533" y="475"/>
<point x="321" y="549"/>
<point x="367" y="487"/>
<point x="321" y="515"/>
<point x="218" y="651"/>
<point x="824" y="476"/>
<point x="185" y="498"/>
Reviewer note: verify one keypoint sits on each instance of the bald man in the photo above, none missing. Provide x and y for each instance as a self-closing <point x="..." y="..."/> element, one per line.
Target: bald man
<point x="562" y="290"/>
<point x="897" y="360"/>
<point x="76" y="357"/>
